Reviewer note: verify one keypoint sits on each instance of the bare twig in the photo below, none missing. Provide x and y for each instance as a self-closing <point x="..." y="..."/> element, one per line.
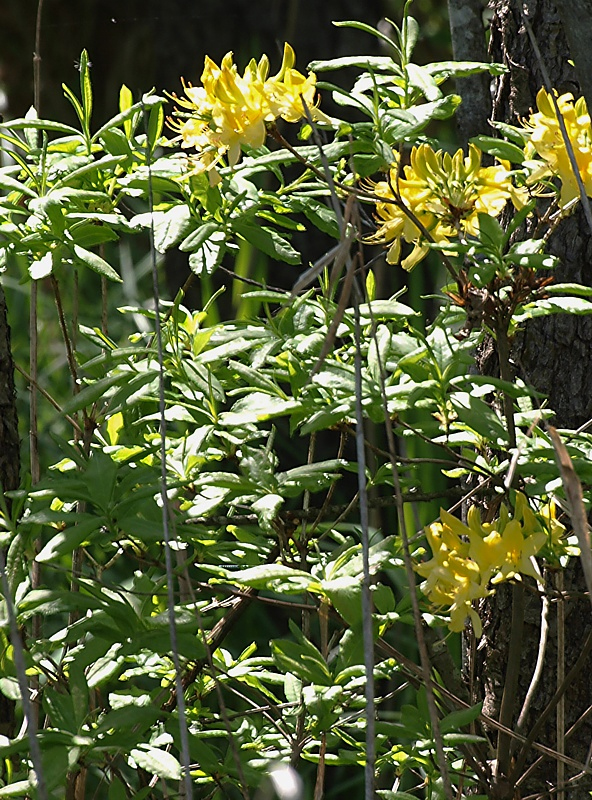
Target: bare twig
<point x="538" y="669"/>
<point x="575" y="498"/>
<point x="183" y="727"/>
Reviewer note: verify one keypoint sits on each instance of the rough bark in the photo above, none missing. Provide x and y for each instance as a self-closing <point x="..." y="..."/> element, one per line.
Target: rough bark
<point x="9" y="458"/>
<point x="468" y="44"/>
<point x="555" y="356"/>
<point x="9" y="437"/>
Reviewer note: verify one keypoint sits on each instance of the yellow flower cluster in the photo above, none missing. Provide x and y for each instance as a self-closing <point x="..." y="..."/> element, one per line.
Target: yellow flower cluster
<point x="230" y="110"/>
<point x="546" y="140"/>
<point x="445" y="194"/>
<point x="466" y="559"/>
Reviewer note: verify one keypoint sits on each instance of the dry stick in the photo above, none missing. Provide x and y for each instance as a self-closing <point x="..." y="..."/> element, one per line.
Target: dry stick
<point x="183" y="728"/>
<point x="417" y="619"/>
<point x="36" y="630"/>
<point x="320" y="782"/>
<point x="49" y="398"/>
<point x="364" y="524"/>
<point x="104" y="306"/>
<point x="560" y="722"/>
<point x="363" y="195"/>
<point x="223" y="711"/>
<point x="305" y="616"/>
<point x="21" y="672"/>
<point x="415" y="674"/>
<point x="575" y="498"/>
<point x="538" y="669"/>
<point x="342" y="510"/>
<point x="551" y="705"/>
<point x="65" y="334"/>
<point x="367" y="622"/>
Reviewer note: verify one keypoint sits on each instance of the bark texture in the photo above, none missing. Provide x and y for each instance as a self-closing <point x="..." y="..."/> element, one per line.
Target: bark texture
<point x="9" y="458"/>
<point x="555" y="356"/>
<point x="468" y="44"/>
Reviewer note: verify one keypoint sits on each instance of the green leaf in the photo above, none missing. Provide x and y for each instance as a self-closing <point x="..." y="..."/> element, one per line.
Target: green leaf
<point x="155" y="124"/>
<point x="196" y="238"/>
<point x="68" y="540"/>
<point x="117" y="790"/>
<point x="96" y="263"/>
<point x="573" y="289"/>
<point x="400" y="124"/>
<point x="491" y="232"/>
<point x="17" y="789"/>
<point x="48" y="602"/>
<point x="267" y="240"/>
<point x="157" y="762"/>
<point x="40" y="124"/>
<point x="475" y="413"/>
<point x="385" y="309"/>
<point x="41" y="268"/>
<point x="409" y="35"/>
<point x="379" y="63"/>
<point x="277" y="577"/>
<point x="86" y="88"/>
<point x="93" y="392"/>
<point x="208" y="256"/>
<point x="257" y="406"/>
<point x="127" y="113"/>
<point x="553" y="305"/>
<point x="267" y="508"/>
<point x="321" y="216"/>
<point x="441" y="70"/>
<point x="458" y="719"/>
<point x="9" y="184"/>
<point x="420" y="79"/>
<point x="362" y="26"/>
<point x="500" y="149"/>
<point x="104" y="163"/>
<point x="170" y="227"/>
<point x="301" y="658"/>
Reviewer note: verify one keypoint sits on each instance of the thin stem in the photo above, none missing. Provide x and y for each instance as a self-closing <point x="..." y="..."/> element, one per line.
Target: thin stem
<point x="183" y="729"/>
<point x="551" y="705"/>
<point x="21" y="673"/>
<point x="49" y="398"/>
<point x="425" y="668"/>
<point x="37" y="60"/>
<point x="66" y="335"/>
<point x="560" y="721"/>
<point x="364" y="524"/>
<point x="538" y="669"/>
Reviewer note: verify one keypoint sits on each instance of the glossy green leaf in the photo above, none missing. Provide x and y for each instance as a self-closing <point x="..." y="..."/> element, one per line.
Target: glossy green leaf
<point x="96" y="263"/>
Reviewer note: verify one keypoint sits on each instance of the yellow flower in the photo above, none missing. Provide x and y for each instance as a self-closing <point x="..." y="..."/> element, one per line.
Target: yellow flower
<point x="446" y="193"/>
<point x="287" y="91"/>
<point x="547" y="141"/>
<point x="467" y="559"/>
<point x="230" y="110"/>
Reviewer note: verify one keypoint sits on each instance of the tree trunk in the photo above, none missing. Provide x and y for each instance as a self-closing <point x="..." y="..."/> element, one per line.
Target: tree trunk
<point x="555" y="356"/>
<point x="9" y="458"/>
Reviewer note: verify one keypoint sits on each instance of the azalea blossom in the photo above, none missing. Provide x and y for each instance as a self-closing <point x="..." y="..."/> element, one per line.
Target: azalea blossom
<point x="468" y="560"/>
<point x="546" y="140"/>
<point x="230" y="110"/>
<point x="445" y="194"/>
